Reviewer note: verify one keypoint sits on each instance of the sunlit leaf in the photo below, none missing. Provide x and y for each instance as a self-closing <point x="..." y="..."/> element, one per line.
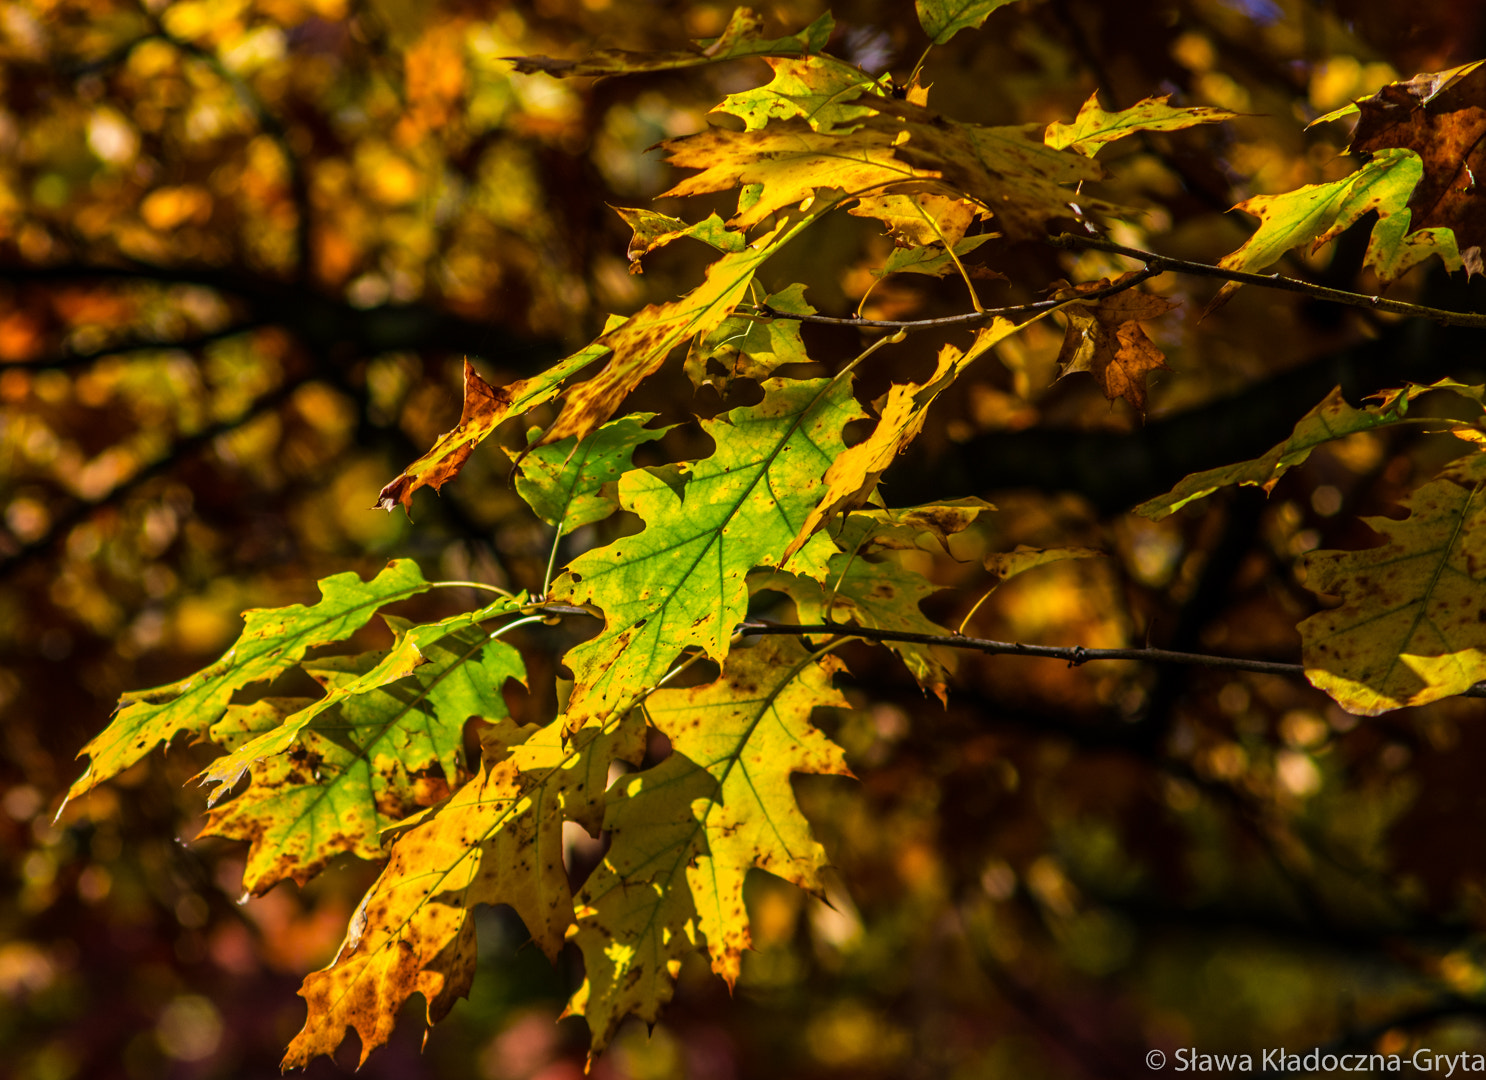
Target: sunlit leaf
<point x="822" y="91"/>
<point x="1332" y="419"/>
<point x="405" y="656"/>
<point x="1411" y="627"/>
<point x="642" y="342"/>
<point x="752" y="346"/>
<point x="486" y="407"/>
<point x="360" y="766"/>
<point x="680" y="582"/>
<point x="1093" y="127"/>
<point x="497" y="841"/>
<point x="690" y="829"/>
<point x="854" y="474"/>
<point x="943" y="19"/>
<point x="571" y="484"/>
<point x="1316" y="213"/>
<point x="272" y="641"/>
<point x="653" y="230"/>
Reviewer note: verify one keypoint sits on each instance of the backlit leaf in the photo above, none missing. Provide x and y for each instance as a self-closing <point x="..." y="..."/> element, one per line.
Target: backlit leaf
<point x="486" y="407"/>
<point x="1411" y="627"/>
<point x="643" y="341"/>
<point x="824" y="92"/>
<point x="653" y="230"/>
<point x="1093" y="127"/>
<point x="686" y="833"/>
<point x="358" y="767"/>
<point x="752" y="346"/>
<point x="1332" y="419"/>
<point x="854" y="474"/>
<point x="571" y="484"/>
<point x="272" y="641"/>
<point x="497" y="841"/>
<point x="1441" y="117"/>
<point x="878" y="593"/>
<point x="405" y="656"/>
<point x="943" y="19"/>
<point x="790" y="163"/>
<point x="680" y="582"/>
<point x="1316" y="213"/>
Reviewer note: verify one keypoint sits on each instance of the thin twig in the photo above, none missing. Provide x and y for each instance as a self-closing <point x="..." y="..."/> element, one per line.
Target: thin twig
<point x="765" y="312"/>
<point x="1075" y="241"/>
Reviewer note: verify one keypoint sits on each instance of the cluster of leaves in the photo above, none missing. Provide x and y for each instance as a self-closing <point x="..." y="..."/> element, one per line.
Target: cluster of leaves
<point x="785" y="514"/>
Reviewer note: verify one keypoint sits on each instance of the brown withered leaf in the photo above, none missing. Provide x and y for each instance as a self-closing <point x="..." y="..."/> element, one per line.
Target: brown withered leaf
<point x="1442" y="118"/>
<point x="486" y="407"/>
<point x="1105" y="339"/>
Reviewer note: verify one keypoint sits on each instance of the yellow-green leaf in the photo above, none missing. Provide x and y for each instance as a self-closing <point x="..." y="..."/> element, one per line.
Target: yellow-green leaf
<point x="1411" y="627"/>
<point x="823" y="91"/>
<point x="571" y="484"/>
<point x="943" y="19"/>
<point x="1332" y="419"/>
<point x="686" y="833"/>
<point x="272" y="641"/>
<point x="680" y="581"/>
<point x="878" y="593"/>
<point x="1093" y="127"/>
<point x="790" y="163"/>
<point x="358" y="768"/>
<point x="643" y="341"/>
<point x="752" y="346"/>
<point x="653" y="230"/>
<point x="1316" y="213"/>
<point x="486" y="407"/>
<point x="854" y="474"/>
<point x="402" y="659"/>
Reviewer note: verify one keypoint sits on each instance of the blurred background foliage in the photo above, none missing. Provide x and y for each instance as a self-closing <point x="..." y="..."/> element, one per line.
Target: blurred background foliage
<point x="244" y="248"/>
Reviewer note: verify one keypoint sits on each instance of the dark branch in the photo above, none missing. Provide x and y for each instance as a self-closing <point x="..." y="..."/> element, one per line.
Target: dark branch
<point x="1075" y="241"/>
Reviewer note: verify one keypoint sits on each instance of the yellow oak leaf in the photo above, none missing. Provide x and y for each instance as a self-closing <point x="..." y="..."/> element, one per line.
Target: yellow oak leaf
<point x="1411" y="627"/>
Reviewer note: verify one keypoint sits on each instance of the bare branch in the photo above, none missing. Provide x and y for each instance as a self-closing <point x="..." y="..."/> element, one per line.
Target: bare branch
<point x="764" y="312"/>
<point x="1075" y="242"/>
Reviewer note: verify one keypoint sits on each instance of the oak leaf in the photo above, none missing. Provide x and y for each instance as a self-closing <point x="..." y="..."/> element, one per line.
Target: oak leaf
<point x="641" y="343"/>
<point x="854" y="474"/>
<point x="1316" y="213"/>
<point x="943" y="19"/>
<point x="680" y="581"/>
<point x="485" y="408"/>
<point x="686" y="833"/>
<point x="570" y="484"/>
<point x="1441" y="117"/>
<point x="1104" y="338"/>
<point x="356" y="769"/>
<point x="1093" y="128"/>
<point x="272" y="641"/>
<point x="1411" y="627"/>
<point x="498" y="840"/>
<point x="1332" y="419"/>
<point x="823" y="91"/>
<point x="405" y="656"/>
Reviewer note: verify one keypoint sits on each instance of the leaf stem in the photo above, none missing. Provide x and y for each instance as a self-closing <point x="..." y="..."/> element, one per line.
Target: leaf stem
<point x="507" y="593"/>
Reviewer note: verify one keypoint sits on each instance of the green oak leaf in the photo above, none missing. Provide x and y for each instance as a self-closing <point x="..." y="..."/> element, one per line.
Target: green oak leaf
<point x="943" y="19"/>
<point x="680" y="582"/>
<point x="356" y="768"/>
<point x="272" y="641"/>
<point x="571" y="484"/>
